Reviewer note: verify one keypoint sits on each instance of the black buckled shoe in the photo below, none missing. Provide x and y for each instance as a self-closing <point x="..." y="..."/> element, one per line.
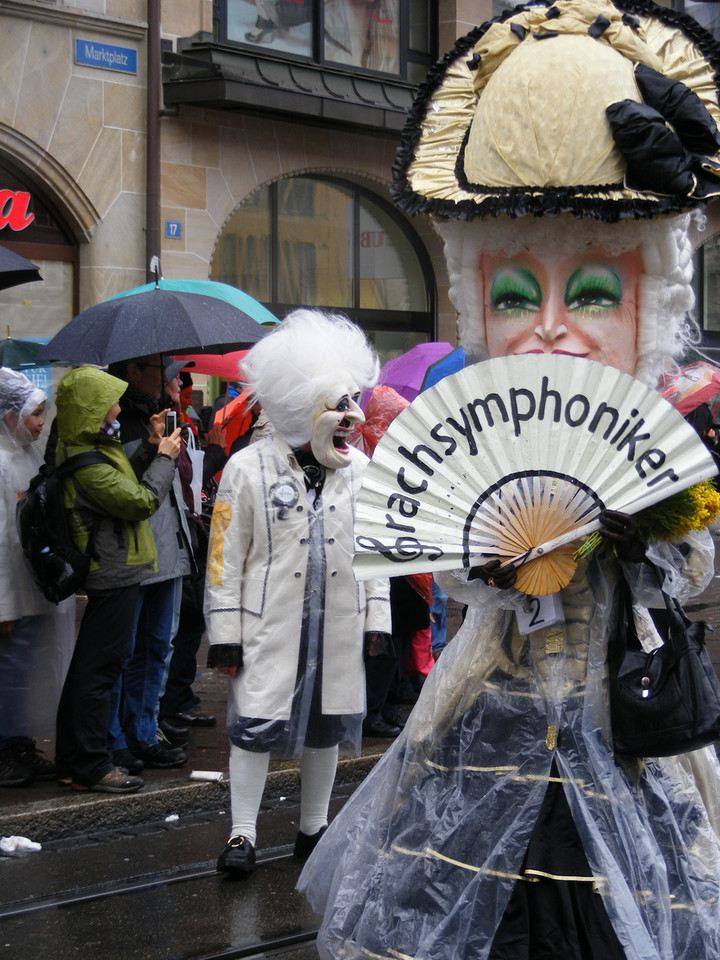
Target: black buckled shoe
<point x="305" y="844"/>
<point x="238" y="857"/>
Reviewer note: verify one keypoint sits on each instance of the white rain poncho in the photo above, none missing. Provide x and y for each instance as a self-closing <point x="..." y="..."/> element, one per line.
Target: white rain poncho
<point x="35" y="655"/>
<point x="18" y="398"/>
<point x="422" y="860"/>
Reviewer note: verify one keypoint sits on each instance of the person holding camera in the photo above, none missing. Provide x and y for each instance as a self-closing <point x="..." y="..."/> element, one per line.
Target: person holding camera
<point x="133" y="730"/>
<point x="110" y="505"/>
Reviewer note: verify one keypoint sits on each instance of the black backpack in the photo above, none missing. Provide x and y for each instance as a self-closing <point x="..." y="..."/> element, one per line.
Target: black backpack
<point x="58" y="567"/>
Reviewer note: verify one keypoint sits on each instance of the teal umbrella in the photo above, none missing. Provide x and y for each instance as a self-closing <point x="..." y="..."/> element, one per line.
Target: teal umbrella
<point x="19" y="353"/>
<point x="209" y="288"/>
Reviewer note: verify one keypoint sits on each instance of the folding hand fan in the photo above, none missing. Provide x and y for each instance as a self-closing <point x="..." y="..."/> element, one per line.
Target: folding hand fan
<point x="514" y="458"/>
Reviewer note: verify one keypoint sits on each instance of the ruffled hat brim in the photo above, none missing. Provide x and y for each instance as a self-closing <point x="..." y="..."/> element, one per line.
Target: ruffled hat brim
<point x="660" y="143"/>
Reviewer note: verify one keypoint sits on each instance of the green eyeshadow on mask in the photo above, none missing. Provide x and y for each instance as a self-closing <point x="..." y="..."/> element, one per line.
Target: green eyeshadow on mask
<point x="515" y="289"/>
<point x="593" y="287"/>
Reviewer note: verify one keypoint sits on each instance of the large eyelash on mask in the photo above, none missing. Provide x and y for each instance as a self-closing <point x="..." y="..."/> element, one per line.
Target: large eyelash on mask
<point x="515" y="290"/>
<point x="593" y="284"/>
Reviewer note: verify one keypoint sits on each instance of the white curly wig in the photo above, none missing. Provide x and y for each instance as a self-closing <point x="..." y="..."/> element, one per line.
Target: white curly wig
<point x="665" y="294"/>
<point x="300" y="362"/>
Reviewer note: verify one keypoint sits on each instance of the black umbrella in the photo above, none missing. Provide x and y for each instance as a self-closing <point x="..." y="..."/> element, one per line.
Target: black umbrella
<point x="15" y="269"/>
<point x="154" y="321"/>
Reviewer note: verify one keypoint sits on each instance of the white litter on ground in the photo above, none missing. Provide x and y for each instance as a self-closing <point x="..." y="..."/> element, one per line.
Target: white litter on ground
<point x="12" y="845"/>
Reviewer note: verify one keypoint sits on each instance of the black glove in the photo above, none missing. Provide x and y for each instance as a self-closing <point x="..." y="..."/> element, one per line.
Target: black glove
<point x="622" y="530"/>
<point x="378" y="644"/>
<point x="494" y="575"/>
<point x="225" y="655"/>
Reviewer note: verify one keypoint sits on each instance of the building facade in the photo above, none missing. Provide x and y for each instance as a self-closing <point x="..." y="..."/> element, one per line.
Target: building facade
<point x="129" y="128"/>
<point x="250" y="141"/>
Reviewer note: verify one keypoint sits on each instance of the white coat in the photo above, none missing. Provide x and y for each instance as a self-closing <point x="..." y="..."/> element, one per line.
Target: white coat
<point x="256" y="580"/>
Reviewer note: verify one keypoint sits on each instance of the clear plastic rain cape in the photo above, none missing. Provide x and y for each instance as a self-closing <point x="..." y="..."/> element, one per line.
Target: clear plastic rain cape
<point x="35" y="655"/>
<point x="422" y="860"/>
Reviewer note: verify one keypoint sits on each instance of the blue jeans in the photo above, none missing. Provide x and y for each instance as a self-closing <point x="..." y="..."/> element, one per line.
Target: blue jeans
<point x="136" y="699"/>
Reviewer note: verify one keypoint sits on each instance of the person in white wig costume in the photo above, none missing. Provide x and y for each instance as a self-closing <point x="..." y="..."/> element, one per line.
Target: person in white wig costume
<point x="559" y="147"/>
<point x="285" y="617"/>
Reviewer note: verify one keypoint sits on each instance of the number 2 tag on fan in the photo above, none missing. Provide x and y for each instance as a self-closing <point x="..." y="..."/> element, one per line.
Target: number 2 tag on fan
<point x="539" y="612"/>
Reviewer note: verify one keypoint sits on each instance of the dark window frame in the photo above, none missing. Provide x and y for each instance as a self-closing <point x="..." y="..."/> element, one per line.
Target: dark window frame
<point x="424" y="322"/>
<point x="711" y="338"/>
<point x="406" y="55"/>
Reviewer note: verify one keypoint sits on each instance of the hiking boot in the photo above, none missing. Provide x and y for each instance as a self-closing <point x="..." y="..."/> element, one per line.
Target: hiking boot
<point x="116" y="781"/>
<point x="13" y="773"/>
<point x="171" y="735"/>
<point x="238" y="857"/>
<point x="191" y="718"/>
<point x="28" y="755"/>
<point x="125" y="759"/>
<point x="161" y="757"/>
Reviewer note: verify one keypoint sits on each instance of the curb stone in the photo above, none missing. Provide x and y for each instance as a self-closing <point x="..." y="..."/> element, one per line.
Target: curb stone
<point x="75" y="814"/>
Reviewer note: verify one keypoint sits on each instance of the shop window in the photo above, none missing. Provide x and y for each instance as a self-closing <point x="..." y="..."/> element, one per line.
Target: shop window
<point x="30" y="226"/>
<point x="381" y="36"/>
<point x="311" y="241"/>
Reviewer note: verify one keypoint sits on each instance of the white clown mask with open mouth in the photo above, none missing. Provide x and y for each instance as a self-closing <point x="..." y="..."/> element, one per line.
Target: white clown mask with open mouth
<point x="334" y="417"/>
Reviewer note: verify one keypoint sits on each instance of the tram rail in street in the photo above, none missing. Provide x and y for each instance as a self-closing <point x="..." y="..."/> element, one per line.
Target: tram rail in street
<point x="154" y="895"/>
<point x="117" y="889"/>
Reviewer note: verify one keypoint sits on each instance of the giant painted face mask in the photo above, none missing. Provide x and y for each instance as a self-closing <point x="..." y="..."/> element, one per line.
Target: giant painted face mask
<point x="334" y="418"/>
<point x="584" y="305"/>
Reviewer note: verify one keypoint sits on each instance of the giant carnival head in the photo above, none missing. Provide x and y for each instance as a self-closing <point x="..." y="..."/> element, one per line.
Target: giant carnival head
<point x="560" y="148"/>
<point x="307" y="375"/>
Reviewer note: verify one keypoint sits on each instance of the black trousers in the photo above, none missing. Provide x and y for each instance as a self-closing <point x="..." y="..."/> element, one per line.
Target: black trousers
<point x="83" y="718"/>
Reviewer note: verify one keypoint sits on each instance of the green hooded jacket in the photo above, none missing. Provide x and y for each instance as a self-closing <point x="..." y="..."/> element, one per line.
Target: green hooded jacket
<point x="107" y="499"/>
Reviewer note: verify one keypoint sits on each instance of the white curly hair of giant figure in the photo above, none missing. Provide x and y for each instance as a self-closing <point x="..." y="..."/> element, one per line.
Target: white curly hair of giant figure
<point x="300" y="362"/>
<point x="665" y="294"/>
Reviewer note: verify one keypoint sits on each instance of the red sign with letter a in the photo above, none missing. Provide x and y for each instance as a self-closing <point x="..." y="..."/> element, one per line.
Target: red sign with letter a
<point x="14" y="210"/>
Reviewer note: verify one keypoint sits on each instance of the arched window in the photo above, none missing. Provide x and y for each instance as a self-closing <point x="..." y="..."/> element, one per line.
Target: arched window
<point x="312" y="241"/>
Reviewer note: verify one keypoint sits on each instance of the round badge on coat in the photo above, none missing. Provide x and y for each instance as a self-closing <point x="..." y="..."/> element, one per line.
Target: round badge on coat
<point x="284" y="494"/>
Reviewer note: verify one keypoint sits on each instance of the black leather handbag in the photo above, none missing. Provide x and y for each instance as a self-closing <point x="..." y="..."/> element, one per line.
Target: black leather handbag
<point x="664" y="702"/>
